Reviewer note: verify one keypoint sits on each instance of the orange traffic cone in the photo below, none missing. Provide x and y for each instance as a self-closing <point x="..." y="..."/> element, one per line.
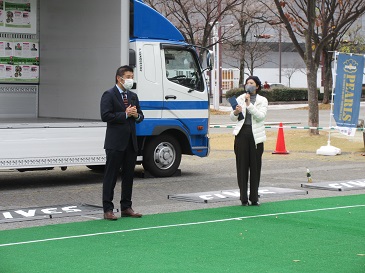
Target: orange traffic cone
<point x="280" y="142"/>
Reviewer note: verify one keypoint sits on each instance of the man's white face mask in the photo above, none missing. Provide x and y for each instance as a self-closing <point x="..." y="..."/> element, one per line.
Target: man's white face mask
<point x="128" y="84"/>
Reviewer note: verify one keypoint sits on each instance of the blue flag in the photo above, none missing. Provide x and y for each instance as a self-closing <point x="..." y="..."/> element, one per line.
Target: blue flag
<point x="348" y="90"/>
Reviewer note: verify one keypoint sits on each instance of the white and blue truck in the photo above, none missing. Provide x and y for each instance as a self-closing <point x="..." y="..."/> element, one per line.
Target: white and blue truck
<point x="55" y="121"/>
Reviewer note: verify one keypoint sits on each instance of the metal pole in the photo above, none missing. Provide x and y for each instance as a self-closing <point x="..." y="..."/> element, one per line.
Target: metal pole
<point x="219" y="89"/>
<point x="212" y="73"/>
<point x="335" y="55"/>
<point x="279" y="54"/>
<point x="215" y="72"/>
<point x="219" y="52"/>
<point x="124" y="34"/>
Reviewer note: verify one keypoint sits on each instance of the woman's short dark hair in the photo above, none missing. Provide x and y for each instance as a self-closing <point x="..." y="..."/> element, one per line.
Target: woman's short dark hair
<point x="256" y="80"/>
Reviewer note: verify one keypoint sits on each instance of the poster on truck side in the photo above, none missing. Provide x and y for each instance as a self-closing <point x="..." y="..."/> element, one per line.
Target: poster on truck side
<point x="18" y="16"/>
<point x="19" y="61"/>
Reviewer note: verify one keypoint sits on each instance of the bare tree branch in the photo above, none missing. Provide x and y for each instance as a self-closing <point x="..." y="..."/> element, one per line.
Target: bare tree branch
<point x="319" y="23"/>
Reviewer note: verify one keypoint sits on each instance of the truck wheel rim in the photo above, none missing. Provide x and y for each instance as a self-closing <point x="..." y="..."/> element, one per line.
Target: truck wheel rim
<point x="164" y="155"/>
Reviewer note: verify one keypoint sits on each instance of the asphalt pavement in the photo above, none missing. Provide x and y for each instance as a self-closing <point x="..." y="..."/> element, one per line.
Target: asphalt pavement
<point x="79" y="185"/>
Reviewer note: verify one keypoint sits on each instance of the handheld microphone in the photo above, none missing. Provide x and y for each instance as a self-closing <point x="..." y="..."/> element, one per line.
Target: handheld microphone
<point x="250" y="89"/>
<point x="133" y="101"/>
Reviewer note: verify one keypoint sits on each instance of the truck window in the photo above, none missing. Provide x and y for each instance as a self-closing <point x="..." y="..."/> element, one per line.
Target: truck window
<point x="182" y="68"/>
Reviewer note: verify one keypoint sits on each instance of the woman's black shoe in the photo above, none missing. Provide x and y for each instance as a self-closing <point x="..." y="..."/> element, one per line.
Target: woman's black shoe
<point x="255" y="204"/>
<point x="245" y="204"/>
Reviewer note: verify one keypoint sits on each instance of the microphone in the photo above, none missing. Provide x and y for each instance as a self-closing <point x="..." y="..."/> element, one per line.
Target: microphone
<point x="133" y="101"/>
<point x="250" y="89"/>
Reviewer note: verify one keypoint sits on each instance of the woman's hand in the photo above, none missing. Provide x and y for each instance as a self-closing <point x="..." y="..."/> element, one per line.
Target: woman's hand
<point x="247" y="100"/>
<point x="237" y="110"/>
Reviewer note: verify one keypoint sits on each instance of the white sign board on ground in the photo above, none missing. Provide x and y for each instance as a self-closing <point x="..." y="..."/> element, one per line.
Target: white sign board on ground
<point x="47" y="212"/>
<point x="337" y="185"/>
<point x="230" y="195"/>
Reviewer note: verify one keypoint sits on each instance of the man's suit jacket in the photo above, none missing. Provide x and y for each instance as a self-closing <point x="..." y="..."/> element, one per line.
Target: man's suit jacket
<point x="119" y="128"/>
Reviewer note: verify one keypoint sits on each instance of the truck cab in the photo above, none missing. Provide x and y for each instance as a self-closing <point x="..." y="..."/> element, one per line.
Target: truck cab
<point x="174" y="100"/>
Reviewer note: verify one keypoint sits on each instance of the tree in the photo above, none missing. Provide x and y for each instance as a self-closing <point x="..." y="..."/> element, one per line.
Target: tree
<point x="355" y="42"/>
<point x="196" y="18"/>
<point x="288" y="72"/>
<point x="251" y="53"/>
<point x="248" y="30"/>
<point x="256" y="55"/>
<point x="341" y="23"/>
<point x="317" y="22"/>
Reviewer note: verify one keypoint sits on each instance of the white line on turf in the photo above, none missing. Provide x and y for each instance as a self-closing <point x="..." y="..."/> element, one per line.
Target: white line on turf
<point x="176" y="225"/>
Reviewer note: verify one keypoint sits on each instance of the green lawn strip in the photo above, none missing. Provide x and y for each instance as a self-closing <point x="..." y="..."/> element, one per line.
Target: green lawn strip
<point x="297" y="242"/>
<point x="100" y="226"/>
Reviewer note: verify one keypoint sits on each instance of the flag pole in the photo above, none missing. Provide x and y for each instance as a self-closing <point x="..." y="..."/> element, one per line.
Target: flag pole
<point x="328" y="149"/>
<point x="332" y="95"/>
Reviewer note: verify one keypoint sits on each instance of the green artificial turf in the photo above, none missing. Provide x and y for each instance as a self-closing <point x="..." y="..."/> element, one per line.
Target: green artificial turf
<point x="312" y="235"/>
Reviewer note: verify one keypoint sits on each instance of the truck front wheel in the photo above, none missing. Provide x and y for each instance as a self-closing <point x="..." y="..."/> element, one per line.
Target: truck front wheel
<point x="162" y="156"/>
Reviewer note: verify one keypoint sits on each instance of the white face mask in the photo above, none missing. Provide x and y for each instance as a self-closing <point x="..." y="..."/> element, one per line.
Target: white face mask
<point x="128" y="84"/>
<point x="250" y="88"/>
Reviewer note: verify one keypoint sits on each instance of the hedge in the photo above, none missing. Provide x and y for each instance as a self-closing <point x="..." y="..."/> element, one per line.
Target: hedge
<point x="278" y="94"/>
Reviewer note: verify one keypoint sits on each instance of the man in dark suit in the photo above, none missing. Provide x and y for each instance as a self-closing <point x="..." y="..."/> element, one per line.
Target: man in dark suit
<point x="120" y="108"/>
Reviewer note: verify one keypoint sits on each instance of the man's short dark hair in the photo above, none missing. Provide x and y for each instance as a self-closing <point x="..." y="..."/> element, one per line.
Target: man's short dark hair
<point x="121" y="70"/>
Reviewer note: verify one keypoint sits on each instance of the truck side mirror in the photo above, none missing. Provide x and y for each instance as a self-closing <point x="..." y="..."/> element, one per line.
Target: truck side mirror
<point x="210" y="59"/>
<point x="132" y="58"/>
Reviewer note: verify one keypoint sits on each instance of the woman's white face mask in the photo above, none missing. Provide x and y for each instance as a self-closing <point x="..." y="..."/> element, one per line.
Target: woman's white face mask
<point x="250" y="88"/>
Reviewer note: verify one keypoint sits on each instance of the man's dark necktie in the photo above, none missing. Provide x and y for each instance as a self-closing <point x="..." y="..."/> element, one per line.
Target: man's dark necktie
<point x="125" y="99"/>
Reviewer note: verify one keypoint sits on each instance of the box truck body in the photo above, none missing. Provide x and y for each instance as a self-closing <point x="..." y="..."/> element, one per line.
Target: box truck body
<point x="56" y="121"/>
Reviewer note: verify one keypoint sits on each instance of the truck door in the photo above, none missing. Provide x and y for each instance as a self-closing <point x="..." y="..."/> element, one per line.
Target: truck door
<point x="185" y="93"/>
<point x="148" y="76"/>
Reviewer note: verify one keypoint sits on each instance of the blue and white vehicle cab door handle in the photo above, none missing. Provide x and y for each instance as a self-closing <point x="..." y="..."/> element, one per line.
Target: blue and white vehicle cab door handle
<point x="167" y="97"/>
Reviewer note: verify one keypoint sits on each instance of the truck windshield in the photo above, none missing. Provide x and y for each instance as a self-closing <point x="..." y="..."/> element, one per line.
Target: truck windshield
<point x="182" y="68"/>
